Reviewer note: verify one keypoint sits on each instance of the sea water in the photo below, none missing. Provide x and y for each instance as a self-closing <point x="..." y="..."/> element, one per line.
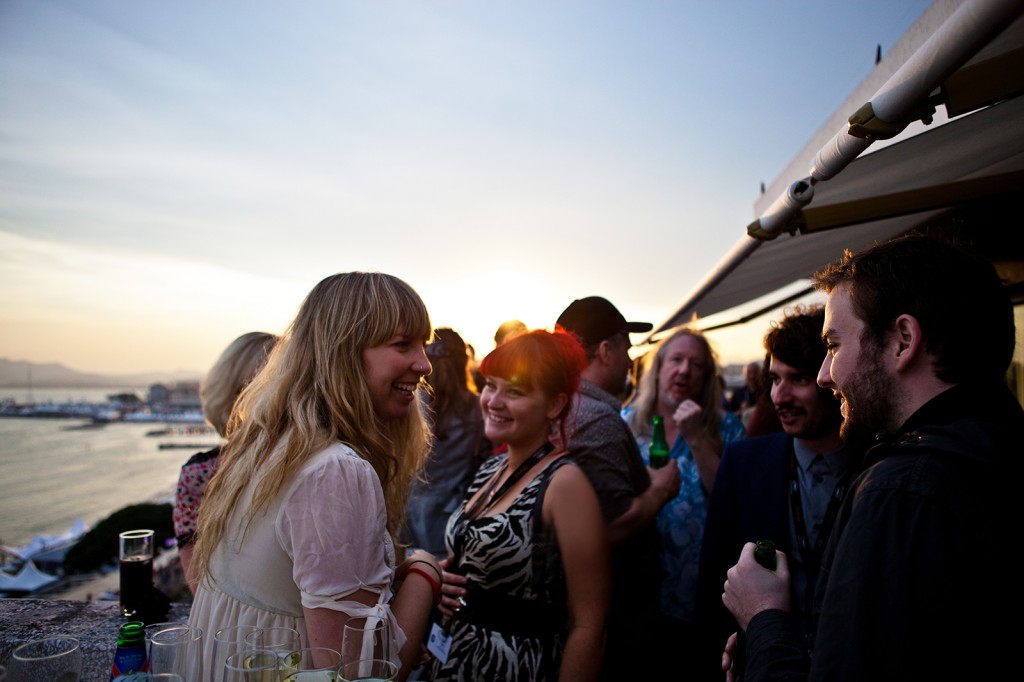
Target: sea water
<point x="53" y="471"/>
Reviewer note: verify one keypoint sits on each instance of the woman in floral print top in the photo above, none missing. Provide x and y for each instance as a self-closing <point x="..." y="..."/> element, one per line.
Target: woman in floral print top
<point x="232" y="372"/>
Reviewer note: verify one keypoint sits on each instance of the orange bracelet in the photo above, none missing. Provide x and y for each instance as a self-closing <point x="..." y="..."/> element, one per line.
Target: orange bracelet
<point x="434" y="586"/>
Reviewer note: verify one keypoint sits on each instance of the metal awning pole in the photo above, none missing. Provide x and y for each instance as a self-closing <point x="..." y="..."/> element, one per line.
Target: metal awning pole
<point x="904" y="98"/>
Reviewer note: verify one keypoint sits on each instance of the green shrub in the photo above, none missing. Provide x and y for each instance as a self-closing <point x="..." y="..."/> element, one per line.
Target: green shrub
<point x="99" y="547"/>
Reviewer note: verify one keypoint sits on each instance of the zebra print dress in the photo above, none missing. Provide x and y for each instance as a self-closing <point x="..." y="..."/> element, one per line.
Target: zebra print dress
<point x="513" y="626"/>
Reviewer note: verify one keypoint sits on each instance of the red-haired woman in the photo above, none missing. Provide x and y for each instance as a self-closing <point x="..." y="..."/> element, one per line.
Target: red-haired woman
<point x="528" y="583"/>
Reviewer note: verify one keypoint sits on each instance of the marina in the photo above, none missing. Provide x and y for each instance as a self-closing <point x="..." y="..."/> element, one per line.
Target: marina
<point x="97" y="468"/>
<point x="101" y="412"/>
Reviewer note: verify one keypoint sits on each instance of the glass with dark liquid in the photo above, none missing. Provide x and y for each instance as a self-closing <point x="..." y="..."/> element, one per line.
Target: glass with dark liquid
<point x="136" y="570"/>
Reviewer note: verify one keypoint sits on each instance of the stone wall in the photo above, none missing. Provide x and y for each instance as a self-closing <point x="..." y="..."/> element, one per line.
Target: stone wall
<point x="94" y="623"/>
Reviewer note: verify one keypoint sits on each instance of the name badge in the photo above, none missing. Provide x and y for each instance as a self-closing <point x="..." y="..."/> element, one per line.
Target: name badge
<point x="439" y="643"/>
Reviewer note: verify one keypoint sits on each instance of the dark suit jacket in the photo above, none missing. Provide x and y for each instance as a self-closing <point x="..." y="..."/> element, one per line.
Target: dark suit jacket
<point x="749" y="502"/>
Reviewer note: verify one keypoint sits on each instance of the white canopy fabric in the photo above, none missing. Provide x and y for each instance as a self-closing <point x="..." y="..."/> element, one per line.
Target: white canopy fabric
<point x="956" y="177"/>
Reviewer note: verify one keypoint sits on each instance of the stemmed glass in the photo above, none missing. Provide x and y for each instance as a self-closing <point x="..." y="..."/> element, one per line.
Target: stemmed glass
<point x="230" y="640"/>
<point x="369" y="670"/>
<point x="177" y="649"/>
<point x="281" y="641"/>
<point x="365" y="638"/>
<point x="157" y="627"/>
<point x="312" y="664"/>
<point x="254" y="665"/>
<point x="56" y="658"/>
<point x="154" y="628"/>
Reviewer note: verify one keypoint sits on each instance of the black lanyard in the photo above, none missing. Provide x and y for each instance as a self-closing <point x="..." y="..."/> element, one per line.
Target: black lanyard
<point x="488" y="496"/>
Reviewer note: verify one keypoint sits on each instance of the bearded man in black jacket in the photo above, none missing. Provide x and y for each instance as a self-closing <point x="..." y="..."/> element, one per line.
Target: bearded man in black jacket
<point x="913" y="584"/>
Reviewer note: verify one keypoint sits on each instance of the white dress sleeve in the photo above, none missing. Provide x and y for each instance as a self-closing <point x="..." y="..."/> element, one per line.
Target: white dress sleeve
<point x="333" y="525"/>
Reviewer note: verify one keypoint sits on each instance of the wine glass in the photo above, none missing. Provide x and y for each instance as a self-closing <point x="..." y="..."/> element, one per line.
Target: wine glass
<point x="365" y="638"/>
<point x="230" y="640"/>
<point x="280" y="640"/>
<point x="57" y="658"/>
<point x="312" y="664"/>
<point x="368" y="670"/>
<point x="253" y="665"/>
<point x="154" y="628"/>
<point x="177" y="649"/>
<point x="157" y="627"/>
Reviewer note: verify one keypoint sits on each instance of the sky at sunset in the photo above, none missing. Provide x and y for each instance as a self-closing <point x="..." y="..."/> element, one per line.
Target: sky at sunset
<point x="176" y="173"/>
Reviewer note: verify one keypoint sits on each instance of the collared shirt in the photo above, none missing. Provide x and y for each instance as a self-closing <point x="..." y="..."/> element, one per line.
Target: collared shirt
<point x="816" y="486"/>
<point x="606" y="450"/>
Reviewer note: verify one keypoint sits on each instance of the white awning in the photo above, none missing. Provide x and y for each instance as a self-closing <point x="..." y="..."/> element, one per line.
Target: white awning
<point x="957" y="177"/>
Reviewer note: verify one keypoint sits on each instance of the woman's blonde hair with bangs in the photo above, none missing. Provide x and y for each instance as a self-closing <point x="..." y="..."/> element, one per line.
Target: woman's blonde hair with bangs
<point x="312" y="393"/>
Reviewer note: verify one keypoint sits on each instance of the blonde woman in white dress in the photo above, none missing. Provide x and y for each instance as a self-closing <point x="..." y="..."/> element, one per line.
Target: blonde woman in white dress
<point x="298" y="527"/>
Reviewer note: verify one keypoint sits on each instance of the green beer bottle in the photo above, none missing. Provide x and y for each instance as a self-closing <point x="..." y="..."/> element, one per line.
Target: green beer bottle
<point x="130" y="659"/>
<point x="658" y="450"/>
<point x="764" y="554"/>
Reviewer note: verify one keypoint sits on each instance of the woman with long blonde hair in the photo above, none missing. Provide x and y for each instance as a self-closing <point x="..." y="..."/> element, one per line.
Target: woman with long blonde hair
<point x="297" y="529"/>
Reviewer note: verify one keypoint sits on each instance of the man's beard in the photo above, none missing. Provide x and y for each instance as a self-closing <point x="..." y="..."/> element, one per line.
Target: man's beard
<point x="869" y="406"/>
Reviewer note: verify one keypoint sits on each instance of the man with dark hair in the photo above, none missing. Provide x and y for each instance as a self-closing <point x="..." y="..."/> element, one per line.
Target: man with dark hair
<point x="630" y="494"/>
<point x="785" y="487"/>
<point x="915" y="582"/>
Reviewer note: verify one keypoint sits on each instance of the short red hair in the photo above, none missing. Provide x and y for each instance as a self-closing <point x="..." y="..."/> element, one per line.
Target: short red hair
<point x="549" y="361"/>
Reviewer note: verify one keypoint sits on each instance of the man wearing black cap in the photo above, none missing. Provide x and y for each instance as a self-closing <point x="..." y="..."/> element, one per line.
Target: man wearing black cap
<point x="630" y="494"/>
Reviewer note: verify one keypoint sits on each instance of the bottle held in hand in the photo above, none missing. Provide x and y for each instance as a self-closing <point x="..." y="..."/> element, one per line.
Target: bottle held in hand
<point x="764" y="554"/>
<point x="658" y="451"/>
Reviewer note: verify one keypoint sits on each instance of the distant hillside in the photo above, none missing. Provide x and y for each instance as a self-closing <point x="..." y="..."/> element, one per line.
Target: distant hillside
<point x="21" y="374"/>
